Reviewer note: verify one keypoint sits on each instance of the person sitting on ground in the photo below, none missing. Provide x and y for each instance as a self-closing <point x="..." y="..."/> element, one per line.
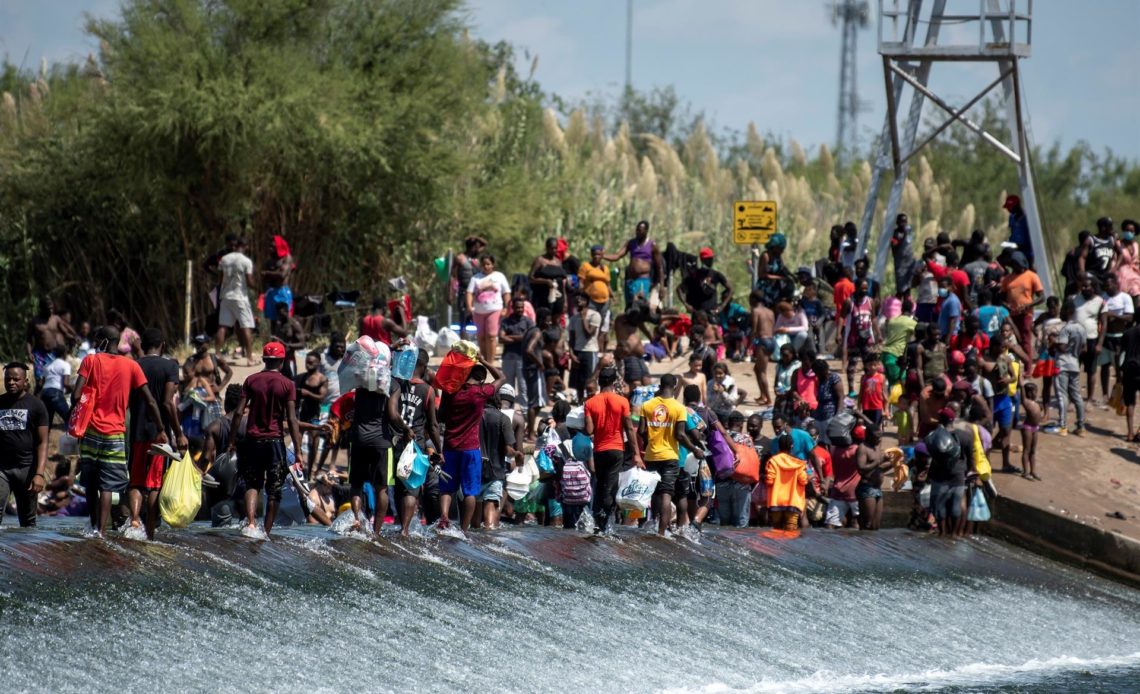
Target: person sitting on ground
<point x="723" y="395"/>
<point x="791" y="325"/>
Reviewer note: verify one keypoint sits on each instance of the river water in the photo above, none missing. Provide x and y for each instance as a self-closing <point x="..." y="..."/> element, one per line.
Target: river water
<point x="536" y="610"/>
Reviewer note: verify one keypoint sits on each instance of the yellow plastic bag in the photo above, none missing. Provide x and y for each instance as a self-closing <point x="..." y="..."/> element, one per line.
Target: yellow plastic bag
<point x="896" y="393"/>
<point x="181" y="494"/>
<point x="466" y="348"/>
<point x="981" y="460"/>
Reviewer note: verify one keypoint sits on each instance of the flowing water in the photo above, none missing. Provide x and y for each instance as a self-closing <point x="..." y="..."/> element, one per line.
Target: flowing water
<point x="532" y="610"/>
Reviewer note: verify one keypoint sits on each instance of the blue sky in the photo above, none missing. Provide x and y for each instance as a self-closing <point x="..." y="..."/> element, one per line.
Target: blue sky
<point x="772" y="62"/>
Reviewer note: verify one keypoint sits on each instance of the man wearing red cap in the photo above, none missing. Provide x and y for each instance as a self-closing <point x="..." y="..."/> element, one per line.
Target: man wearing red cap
<point x="698" y="291"/>
<point x="272" y="401"/>
<point x="1019" y="227"/>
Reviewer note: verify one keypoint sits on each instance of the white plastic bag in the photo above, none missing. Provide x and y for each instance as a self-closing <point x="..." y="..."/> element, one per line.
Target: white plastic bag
<point x="424" y="337"/>
<point x="518" y="482"/>
<point x="446" y="339"/>
<point x="367" y="364"/>
<point x="406" y="463"/>
<point x="635" y="489"/>
<point x="576" y="419"/>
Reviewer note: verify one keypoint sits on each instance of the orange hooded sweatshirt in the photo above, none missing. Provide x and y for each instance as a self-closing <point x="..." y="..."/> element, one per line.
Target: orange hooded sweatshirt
<point x="786" y="477"/>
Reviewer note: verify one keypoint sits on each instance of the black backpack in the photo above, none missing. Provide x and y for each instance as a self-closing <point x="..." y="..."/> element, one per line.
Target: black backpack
<point x="944" y="448"/>
<point x="839" y="428"/>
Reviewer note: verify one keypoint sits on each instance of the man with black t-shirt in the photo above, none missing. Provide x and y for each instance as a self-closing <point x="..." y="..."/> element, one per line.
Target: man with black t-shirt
<point x="147" y="469"/>
<point x="23" y="444"/>
<point x="415" y="402"/>
<point x="699" y="291"/>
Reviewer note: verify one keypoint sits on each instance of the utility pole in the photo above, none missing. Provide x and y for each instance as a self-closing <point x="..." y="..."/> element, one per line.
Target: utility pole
<point x="628" y="45"/>
<point x="851" y="15"/>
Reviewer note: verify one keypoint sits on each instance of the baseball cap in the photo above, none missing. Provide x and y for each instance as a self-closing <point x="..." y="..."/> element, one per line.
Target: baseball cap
<point x="1011" y="201"/>
<point x="273" y="350"/>
<point x="803" y="270"/>
<point x="707" y="252"/>
<point x="201" y="339"/>
<point x="859" y="432"/>
<point x="957" y="357"/>
<point x="507" y="391"/>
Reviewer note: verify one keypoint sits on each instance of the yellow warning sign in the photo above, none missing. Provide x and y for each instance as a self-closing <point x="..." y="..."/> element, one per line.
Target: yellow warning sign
<point x="753" y="221"/>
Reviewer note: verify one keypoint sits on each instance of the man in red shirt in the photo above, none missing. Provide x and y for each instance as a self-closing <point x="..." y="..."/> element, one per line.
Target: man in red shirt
<point x="110" y="379"/>
<point x="462" y="415"/>
<point x="607" y="418"/>
<point x="272" y="401"/>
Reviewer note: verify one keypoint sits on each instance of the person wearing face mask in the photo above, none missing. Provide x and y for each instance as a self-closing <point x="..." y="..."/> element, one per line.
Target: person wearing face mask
<point x="950" y="315"/>
<point x="1128" y="260"/>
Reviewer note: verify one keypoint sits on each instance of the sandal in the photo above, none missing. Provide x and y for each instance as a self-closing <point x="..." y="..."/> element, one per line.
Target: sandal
<point x="1033" y="476"/>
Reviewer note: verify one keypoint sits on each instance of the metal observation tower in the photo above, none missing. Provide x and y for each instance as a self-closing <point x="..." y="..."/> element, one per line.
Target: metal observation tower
<point x="990" y="31"/>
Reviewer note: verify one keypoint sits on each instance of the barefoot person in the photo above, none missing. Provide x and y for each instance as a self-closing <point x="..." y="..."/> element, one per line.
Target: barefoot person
<point x="103" y="448"/>
<point x="871" y="463"/>
<point x="764" y="344"/>
<point x="1029" y="427"/>
<point x="23" y="444"/>
<point x="644" y="258"/>
<point x="272" y="402"/>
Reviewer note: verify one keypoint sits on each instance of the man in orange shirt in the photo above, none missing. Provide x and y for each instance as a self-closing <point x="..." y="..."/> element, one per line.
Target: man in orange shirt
<point x="607" y="418"/>
<point x="1023" y="291"/>
<point x="844" y="289"/>
<point x="103" y="450"/>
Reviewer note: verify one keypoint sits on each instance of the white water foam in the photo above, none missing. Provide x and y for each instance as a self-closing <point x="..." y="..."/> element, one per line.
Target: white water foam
<point x="971" y="675"/>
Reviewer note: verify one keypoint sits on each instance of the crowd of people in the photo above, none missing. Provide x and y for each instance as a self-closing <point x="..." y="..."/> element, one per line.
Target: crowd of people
<point x="958" y="352"/>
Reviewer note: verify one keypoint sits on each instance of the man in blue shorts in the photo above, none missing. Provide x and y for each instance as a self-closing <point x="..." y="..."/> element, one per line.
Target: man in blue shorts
<point x="461" y="414"/>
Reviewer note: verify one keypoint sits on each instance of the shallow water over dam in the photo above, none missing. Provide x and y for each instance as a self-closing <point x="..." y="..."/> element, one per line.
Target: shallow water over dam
<point x="528" y="609"/>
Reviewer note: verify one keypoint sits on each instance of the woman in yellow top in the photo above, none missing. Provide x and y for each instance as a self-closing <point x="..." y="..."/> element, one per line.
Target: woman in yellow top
<point x="594" y="281"/>
<point x="786" y="477"/>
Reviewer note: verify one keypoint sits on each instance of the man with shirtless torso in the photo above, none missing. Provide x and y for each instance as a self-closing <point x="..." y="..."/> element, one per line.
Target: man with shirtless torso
<point x="278" y="269"/>
<point x="46" y="331"/>
<point x="763" y="343"/>
<point x="871" y="463"/>
<point x="200" y="370"/>
<point x="644" y="257"/>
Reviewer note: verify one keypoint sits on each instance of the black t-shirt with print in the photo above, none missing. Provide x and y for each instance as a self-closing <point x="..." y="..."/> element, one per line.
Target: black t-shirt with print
<point x="20" y="416"/>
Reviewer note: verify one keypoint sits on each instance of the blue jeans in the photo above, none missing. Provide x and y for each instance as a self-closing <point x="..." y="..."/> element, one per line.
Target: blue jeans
<point x="1068" y="385"/>
<point x="734" y="501"/>
<point x="56" y="403"/>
